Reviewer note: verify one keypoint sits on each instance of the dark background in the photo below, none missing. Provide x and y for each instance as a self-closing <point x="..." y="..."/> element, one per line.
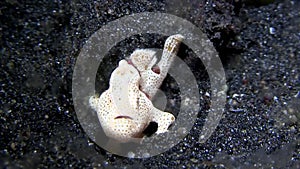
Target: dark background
<point x="258" y="42"/>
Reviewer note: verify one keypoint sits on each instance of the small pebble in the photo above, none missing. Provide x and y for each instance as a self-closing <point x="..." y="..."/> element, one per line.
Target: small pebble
<point x="130" y="154"/>
<point x="272" y="30"/>
<point x="13" y="146"/>
<point x="146" y="155"/>
<point x="182" y="131"/>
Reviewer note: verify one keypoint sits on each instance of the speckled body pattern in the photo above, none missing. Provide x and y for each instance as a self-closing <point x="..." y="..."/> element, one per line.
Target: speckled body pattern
<point x="125" y="109"/>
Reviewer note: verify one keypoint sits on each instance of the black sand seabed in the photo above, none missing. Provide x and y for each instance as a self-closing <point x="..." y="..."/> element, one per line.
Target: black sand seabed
<point x="259" y="46"/>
